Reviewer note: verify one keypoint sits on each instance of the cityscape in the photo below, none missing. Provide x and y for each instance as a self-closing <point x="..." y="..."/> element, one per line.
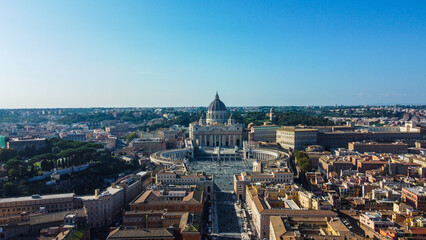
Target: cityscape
<point x="209" y="120"/>
<point x="213" y="172"/>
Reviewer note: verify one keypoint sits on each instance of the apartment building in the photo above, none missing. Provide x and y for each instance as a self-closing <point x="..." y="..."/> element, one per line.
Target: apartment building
<point x="415" y="197"/>
<point x="280" y="176"/>
<point x="375" y="221"/>
<point x="262" y="211"/>
<point x="291" y="228"/>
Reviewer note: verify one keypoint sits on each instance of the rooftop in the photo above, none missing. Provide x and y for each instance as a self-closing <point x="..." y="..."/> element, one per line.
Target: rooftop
<point x="417" y="190"/>
<point x="148" y="233"/>
<point x="297" y="129"/>
<point x="36" y="197"/>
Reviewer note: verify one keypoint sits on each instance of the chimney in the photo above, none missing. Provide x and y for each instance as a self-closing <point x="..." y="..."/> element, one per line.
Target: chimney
<point x="96" y="193"/>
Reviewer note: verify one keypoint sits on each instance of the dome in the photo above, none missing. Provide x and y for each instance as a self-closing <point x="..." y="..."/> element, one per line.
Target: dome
<point x="217" y="105"/>
<point x="217" y="112"/>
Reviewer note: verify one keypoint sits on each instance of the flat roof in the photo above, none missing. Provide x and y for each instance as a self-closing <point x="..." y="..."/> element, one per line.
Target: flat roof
<point x="26" y="139"/>
<point x="110" y="190"/>
<point x="142" y="173"/>
<point x="417" y="190"/>
<point x="297" y="129"/>
<point x="41" y="197"/>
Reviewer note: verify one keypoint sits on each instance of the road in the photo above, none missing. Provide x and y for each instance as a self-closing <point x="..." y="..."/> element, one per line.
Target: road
<point x="228" y="218"/>
<point x="351" y="222"/>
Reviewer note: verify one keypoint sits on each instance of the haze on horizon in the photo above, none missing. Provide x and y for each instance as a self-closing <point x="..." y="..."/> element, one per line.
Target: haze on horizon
<point x="179" y="53"/>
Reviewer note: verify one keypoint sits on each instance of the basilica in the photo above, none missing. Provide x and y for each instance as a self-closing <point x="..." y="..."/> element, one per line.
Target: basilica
<point x="217" y="129"/>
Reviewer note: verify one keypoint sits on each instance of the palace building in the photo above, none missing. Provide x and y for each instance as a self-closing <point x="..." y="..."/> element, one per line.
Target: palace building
<point x="218" y="128"/>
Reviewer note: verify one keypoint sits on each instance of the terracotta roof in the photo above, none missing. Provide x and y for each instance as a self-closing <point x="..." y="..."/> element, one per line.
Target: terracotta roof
<point x="374" y="162"/>
<point x="418" y="231"/>
<point x="278" y="226"/>
<point x="137" y="213"/>
<point x="338" y="226"/>
<point x="143" y="197"/>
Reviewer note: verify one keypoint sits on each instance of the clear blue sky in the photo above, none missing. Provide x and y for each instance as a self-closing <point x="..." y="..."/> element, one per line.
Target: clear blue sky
<point x="178" y="53"/>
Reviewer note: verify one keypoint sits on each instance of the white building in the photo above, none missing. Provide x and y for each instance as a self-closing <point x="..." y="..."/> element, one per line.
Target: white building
<point x="375" y="221"/>
<point x="218" y="128"/>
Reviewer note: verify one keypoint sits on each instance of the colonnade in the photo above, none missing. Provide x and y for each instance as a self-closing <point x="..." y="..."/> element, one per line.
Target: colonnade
<point x="219" y="140"/>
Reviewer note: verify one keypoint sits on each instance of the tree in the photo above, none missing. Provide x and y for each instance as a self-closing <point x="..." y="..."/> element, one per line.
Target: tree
<point x="13" y="164"/>
<point x="56" y="150"/>
<point x="45" y="166"/>
<point x="32" y="170"/>
<point x="8" y="189"/>
<point x="134" y="162"/>
<point x="130" y="137"/>
<point x="6" y="154"/>
<point x="13" y="173"/>
<point x="303" y="161"/>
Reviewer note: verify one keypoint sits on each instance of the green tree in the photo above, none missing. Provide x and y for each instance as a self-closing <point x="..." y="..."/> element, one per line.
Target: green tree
<point x="13" y="174"/>
<point x="303" y="161"/>
<point x="8" y="189"/>
<point x="6" y="154"/>
<point x="130" y="137"/>
<point x="13" y="164"/>
<point x="56" y="150"/>
<point x="135" y="163"/>
<point x="45" y="166"/>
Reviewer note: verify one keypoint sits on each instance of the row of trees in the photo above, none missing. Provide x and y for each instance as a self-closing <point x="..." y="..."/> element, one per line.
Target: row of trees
<point x="62" y="154"/>
<point x="290" y="118"/>
<point x="183" y="118"/>
<point x="303" y="161"/>
<point x="83" y="183"/>
<point x="295" y="118"/>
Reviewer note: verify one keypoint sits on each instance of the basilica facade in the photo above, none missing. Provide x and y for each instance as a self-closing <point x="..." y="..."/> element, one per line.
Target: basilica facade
<point x="218" y="128"/>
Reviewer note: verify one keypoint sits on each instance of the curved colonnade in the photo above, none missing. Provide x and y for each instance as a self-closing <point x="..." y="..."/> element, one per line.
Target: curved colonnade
<point x="178" y="156"/>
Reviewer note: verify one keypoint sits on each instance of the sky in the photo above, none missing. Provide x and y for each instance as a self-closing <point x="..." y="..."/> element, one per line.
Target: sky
<point x="179" y="53"/>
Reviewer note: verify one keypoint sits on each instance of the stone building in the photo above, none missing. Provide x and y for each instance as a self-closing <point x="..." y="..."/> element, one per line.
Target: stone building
<point x="103" y="209"/>
<point x="395" y="147"/>
<point x="296" y="138"/>
<point x="265" y="133"/>
<point x="173" y="200"/>
<point x="36" y="203"/>
<point x="20" y="144"/>
<point x="218" y="128"/>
